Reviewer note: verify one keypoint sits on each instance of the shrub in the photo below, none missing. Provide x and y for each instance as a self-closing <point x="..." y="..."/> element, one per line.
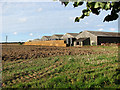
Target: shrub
<point x="21" y="43"/>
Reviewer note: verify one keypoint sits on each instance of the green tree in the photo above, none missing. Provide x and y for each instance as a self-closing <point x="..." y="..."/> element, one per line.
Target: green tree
<point x="96" y="8"/>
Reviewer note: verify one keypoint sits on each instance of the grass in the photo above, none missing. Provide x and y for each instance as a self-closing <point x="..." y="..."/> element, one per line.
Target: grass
<point x="78" y="71"/>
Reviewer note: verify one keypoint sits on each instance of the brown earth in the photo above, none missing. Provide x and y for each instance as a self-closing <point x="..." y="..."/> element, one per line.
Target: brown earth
<point x="17" y="52"/>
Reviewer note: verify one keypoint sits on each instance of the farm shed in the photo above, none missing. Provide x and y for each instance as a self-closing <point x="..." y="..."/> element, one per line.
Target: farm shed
<point x="69" y="35"/>
<point x="82" y="41"/>
<point x="45" y="38"/>
<point x="69" y="38"/>
<point x="97" y="37"/>
<point x="37" y="40"/>
<point x="56" y="37"/>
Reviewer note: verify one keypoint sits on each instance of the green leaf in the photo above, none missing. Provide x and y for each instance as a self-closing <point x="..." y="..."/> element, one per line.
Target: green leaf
<point x="112" y="4"/>
<point x="65" y="3"/>
<point x="115" y="16"/>
<point x="91" y="4"/>
<point x="95" y="11"/>
<point x="107" y="18"/>
<point x="86" y="12"/>
<point x="111" y="17"/>
<point x="82" y="16"/>
<point x="97" y="5"/>
<point x="77" y="19"/>
<point x="102" y="4"/>
<point x="76" y="4"/>
<point x="107" y="6"/>
<point x="80" y="3"/>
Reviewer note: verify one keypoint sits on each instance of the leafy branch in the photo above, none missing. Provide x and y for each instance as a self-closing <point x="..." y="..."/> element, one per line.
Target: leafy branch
<point x="96" y="7"/>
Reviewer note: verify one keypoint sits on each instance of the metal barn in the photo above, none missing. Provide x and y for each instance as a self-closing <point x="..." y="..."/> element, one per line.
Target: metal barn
<point x="97" y="37"/>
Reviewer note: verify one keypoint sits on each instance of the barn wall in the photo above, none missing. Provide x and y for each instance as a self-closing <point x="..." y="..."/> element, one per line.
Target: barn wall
<point x="47" y="43"/>
<point x="102" y="39"/>
<point x="85" y="34"/>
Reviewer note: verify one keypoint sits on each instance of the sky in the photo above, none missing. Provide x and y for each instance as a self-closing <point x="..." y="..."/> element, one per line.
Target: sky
<point x="22" y="21"/>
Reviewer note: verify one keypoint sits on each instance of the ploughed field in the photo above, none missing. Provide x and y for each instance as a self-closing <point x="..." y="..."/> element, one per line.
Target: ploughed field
<point x="16" y="52"/>
<point x="60" y="67"/>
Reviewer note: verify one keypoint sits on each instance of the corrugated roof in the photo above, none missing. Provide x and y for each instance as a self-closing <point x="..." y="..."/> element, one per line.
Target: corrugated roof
<point x="58" y="35"/>
<point x="47" y="36"/>
<point x="99" y="33"/>
<point x="73" y="34"/>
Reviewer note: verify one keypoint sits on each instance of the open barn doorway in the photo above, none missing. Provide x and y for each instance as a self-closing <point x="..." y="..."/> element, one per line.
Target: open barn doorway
<point x="70" y="41"/>
<point x="104" y="39"/>
<point x="82" y="42"/>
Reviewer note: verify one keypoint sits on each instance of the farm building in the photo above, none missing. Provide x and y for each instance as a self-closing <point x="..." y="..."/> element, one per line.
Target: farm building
<point x="56" y="37"/>
<point x="74" y="39"/>
<point x="37" y="40"/>
<point x="96" y="38"/>
<point x="69" y="35"/>
<point x="69" y="38"/>
<point x="82" y="41"/>
<point x="45" y="38"/>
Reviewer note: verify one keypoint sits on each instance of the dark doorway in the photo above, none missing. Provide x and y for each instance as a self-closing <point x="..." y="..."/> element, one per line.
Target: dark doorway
<point x="70" y="41"/>
<point x="103" y="39"/>
<point x="86" y="41"/>
<point x="77" y="43"/>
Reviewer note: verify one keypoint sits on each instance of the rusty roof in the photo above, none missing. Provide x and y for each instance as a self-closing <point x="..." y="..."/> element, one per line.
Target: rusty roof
<point x="99" y="33"/>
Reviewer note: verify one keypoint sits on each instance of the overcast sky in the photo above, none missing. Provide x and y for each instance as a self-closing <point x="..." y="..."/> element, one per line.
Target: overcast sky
<point x="22" y="21"/>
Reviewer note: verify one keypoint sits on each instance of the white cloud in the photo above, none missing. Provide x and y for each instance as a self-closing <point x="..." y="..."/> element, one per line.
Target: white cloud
<point x="15" y="33"/>
<point x="39" y="9"/>
<point x="31" y="34"/>
<point x="112" y="29"/>
<point x="22" y="20"/>
<point x="101" y="29"/>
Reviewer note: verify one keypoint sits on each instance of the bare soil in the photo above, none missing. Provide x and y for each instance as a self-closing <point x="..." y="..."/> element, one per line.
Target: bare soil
<point x="16" y="52"/>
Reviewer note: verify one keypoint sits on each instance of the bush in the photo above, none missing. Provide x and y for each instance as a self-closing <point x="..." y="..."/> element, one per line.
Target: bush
<point x="21" y="43"/>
